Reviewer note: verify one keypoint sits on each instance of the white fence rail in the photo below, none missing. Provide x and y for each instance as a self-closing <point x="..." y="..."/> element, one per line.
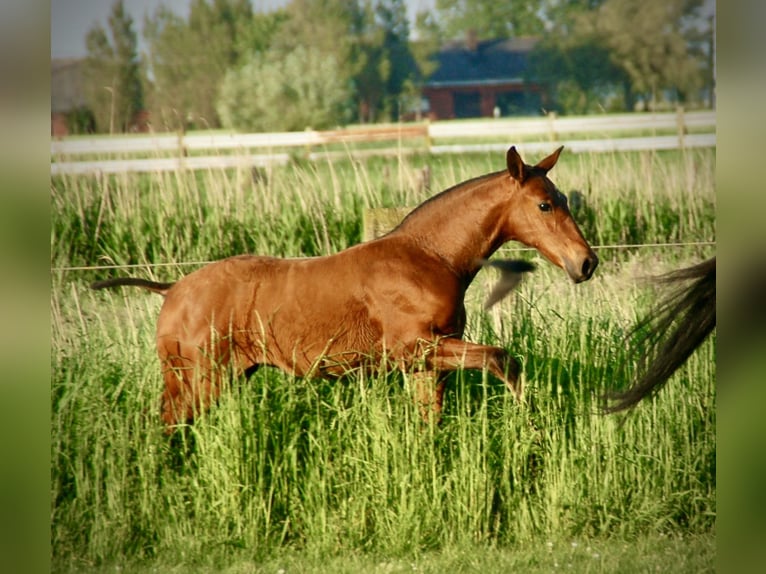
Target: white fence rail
<point x="553" y="125"/>
<point x="64" y="152"/>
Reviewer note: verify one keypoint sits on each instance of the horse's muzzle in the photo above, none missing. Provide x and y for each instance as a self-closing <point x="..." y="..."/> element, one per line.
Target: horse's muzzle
<point x="585" y="270"/>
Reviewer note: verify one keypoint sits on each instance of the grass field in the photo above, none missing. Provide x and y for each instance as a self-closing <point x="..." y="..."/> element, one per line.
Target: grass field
<point x="314" y="476"/>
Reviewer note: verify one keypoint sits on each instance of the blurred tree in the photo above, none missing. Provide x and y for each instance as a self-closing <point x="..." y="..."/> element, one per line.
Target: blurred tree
<point x="368" y="40"/>
<point x="171" y="96"/>
<point x="391" y="18"/>
<point x="563" y="19"/>
<point x="577" y="73"/>
<point x="652" y="42"/>
<point x="327" y="27"/>
<point x="490" y="19"/>
<point x="371" y="77"/>
<point x="189" y="58"/>
<point x="429" y="39"/>
<point x="572" y="63"/>
<point x="112" y="74"/>
<point x="387" y="68"/>
<point x="600" y="54"/>
<point x="284" y="92"/>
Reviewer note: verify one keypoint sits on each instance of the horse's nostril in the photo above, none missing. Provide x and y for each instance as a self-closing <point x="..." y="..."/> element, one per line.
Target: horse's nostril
<point x="589" y="266"/>
<point x="586" y="268"/>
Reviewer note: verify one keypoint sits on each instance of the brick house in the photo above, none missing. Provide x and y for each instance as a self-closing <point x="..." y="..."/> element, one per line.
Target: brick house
<point x="67" y="93"/>
<point x="481" y="79"/>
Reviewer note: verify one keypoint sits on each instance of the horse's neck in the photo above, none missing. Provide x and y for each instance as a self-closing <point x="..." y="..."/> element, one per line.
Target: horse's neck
<point x="462" y="224"/>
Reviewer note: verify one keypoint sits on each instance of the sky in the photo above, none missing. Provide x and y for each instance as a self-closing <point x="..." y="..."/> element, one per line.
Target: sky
<point x="71" y="19"/>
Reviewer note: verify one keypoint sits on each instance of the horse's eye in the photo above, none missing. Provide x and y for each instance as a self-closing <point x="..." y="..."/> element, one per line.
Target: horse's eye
<point x="545" y="206"/>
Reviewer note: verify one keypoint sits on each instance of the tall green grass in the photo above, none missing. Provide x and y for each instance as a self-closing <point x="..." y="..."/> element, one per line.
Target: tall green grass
<point x="284" y="466"/>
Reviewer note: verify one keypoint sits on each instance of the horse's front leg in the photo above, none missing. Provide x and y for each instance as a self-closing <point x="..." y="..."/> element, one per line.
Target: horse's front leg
<point x="450" y="354"/>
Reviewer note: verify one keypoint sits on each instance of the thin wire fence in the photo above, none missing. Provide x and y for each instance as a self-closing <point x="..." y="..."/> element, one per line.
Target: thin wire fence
<point x="510" y="249"/>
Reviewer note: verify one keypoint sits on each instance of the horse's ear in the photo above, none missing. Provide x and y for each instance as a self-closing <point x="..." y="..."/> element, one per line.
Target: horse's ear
<point x="548" y="163"/>
<point x="516" y="166"/>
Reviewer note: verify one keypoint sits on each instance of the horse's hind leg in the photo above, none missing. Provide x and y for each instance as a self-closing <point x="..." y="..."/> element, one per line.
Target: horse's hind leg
<point x="176" y="407"/>
<point x="186" y="394"/>
<point x="192" y="384"/>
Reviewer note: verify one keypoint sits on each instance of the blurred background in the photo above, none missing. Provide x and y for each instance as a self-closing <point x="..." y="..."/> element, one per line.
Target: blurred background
<point x="170" y="65"/>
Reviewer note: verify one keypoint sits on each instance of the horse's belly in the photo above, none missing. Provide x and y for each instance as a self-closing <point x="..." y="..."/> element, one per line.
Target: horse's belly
<point x="329" y="345"/>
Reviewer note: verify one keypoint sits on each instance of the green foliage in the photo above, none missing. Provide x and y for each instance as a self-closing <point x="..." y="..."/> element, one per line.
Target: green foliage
<point x="112" y="75"/>
<point x="400" y="60"/>
<point x="577" y="72"/>
<point x="650" y="43"/>
<point x="490" y="19"/>
<point x="323" y="49"/>
<point x="81" y="121"/>
<point x="171" y="96"/>
<point x="594" y="55"/>
<point x="603" y="55"/>
<point x="302" y="89"/>
<point x="286" y="472"/>
<point x="189" y="58"/>
<point x="369" y="41"/>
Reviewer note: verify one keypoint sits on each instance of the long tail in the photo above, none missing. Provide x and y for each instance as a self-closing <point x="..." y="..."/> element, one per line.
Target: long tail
<point x="161" y="288"/>
<point x="671" y="331"/>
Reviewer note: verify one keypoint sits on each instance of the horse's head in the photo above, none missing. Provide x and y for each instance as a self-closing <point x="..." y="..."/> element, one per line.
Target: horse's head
<point x="542" y="219"/>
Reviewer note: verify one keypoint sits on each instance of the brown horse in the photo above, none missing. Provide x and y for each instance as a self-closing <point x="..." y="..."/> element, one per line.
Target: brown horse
<point x="398" y="299"/>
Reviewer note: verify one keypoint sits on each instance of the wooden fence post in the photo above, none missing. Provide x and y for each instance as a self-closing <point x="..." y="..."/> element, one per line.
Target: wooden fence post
<point x="680" y="125"/>
<point x="182" y="151"/>
<point x="552" y="125"/>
